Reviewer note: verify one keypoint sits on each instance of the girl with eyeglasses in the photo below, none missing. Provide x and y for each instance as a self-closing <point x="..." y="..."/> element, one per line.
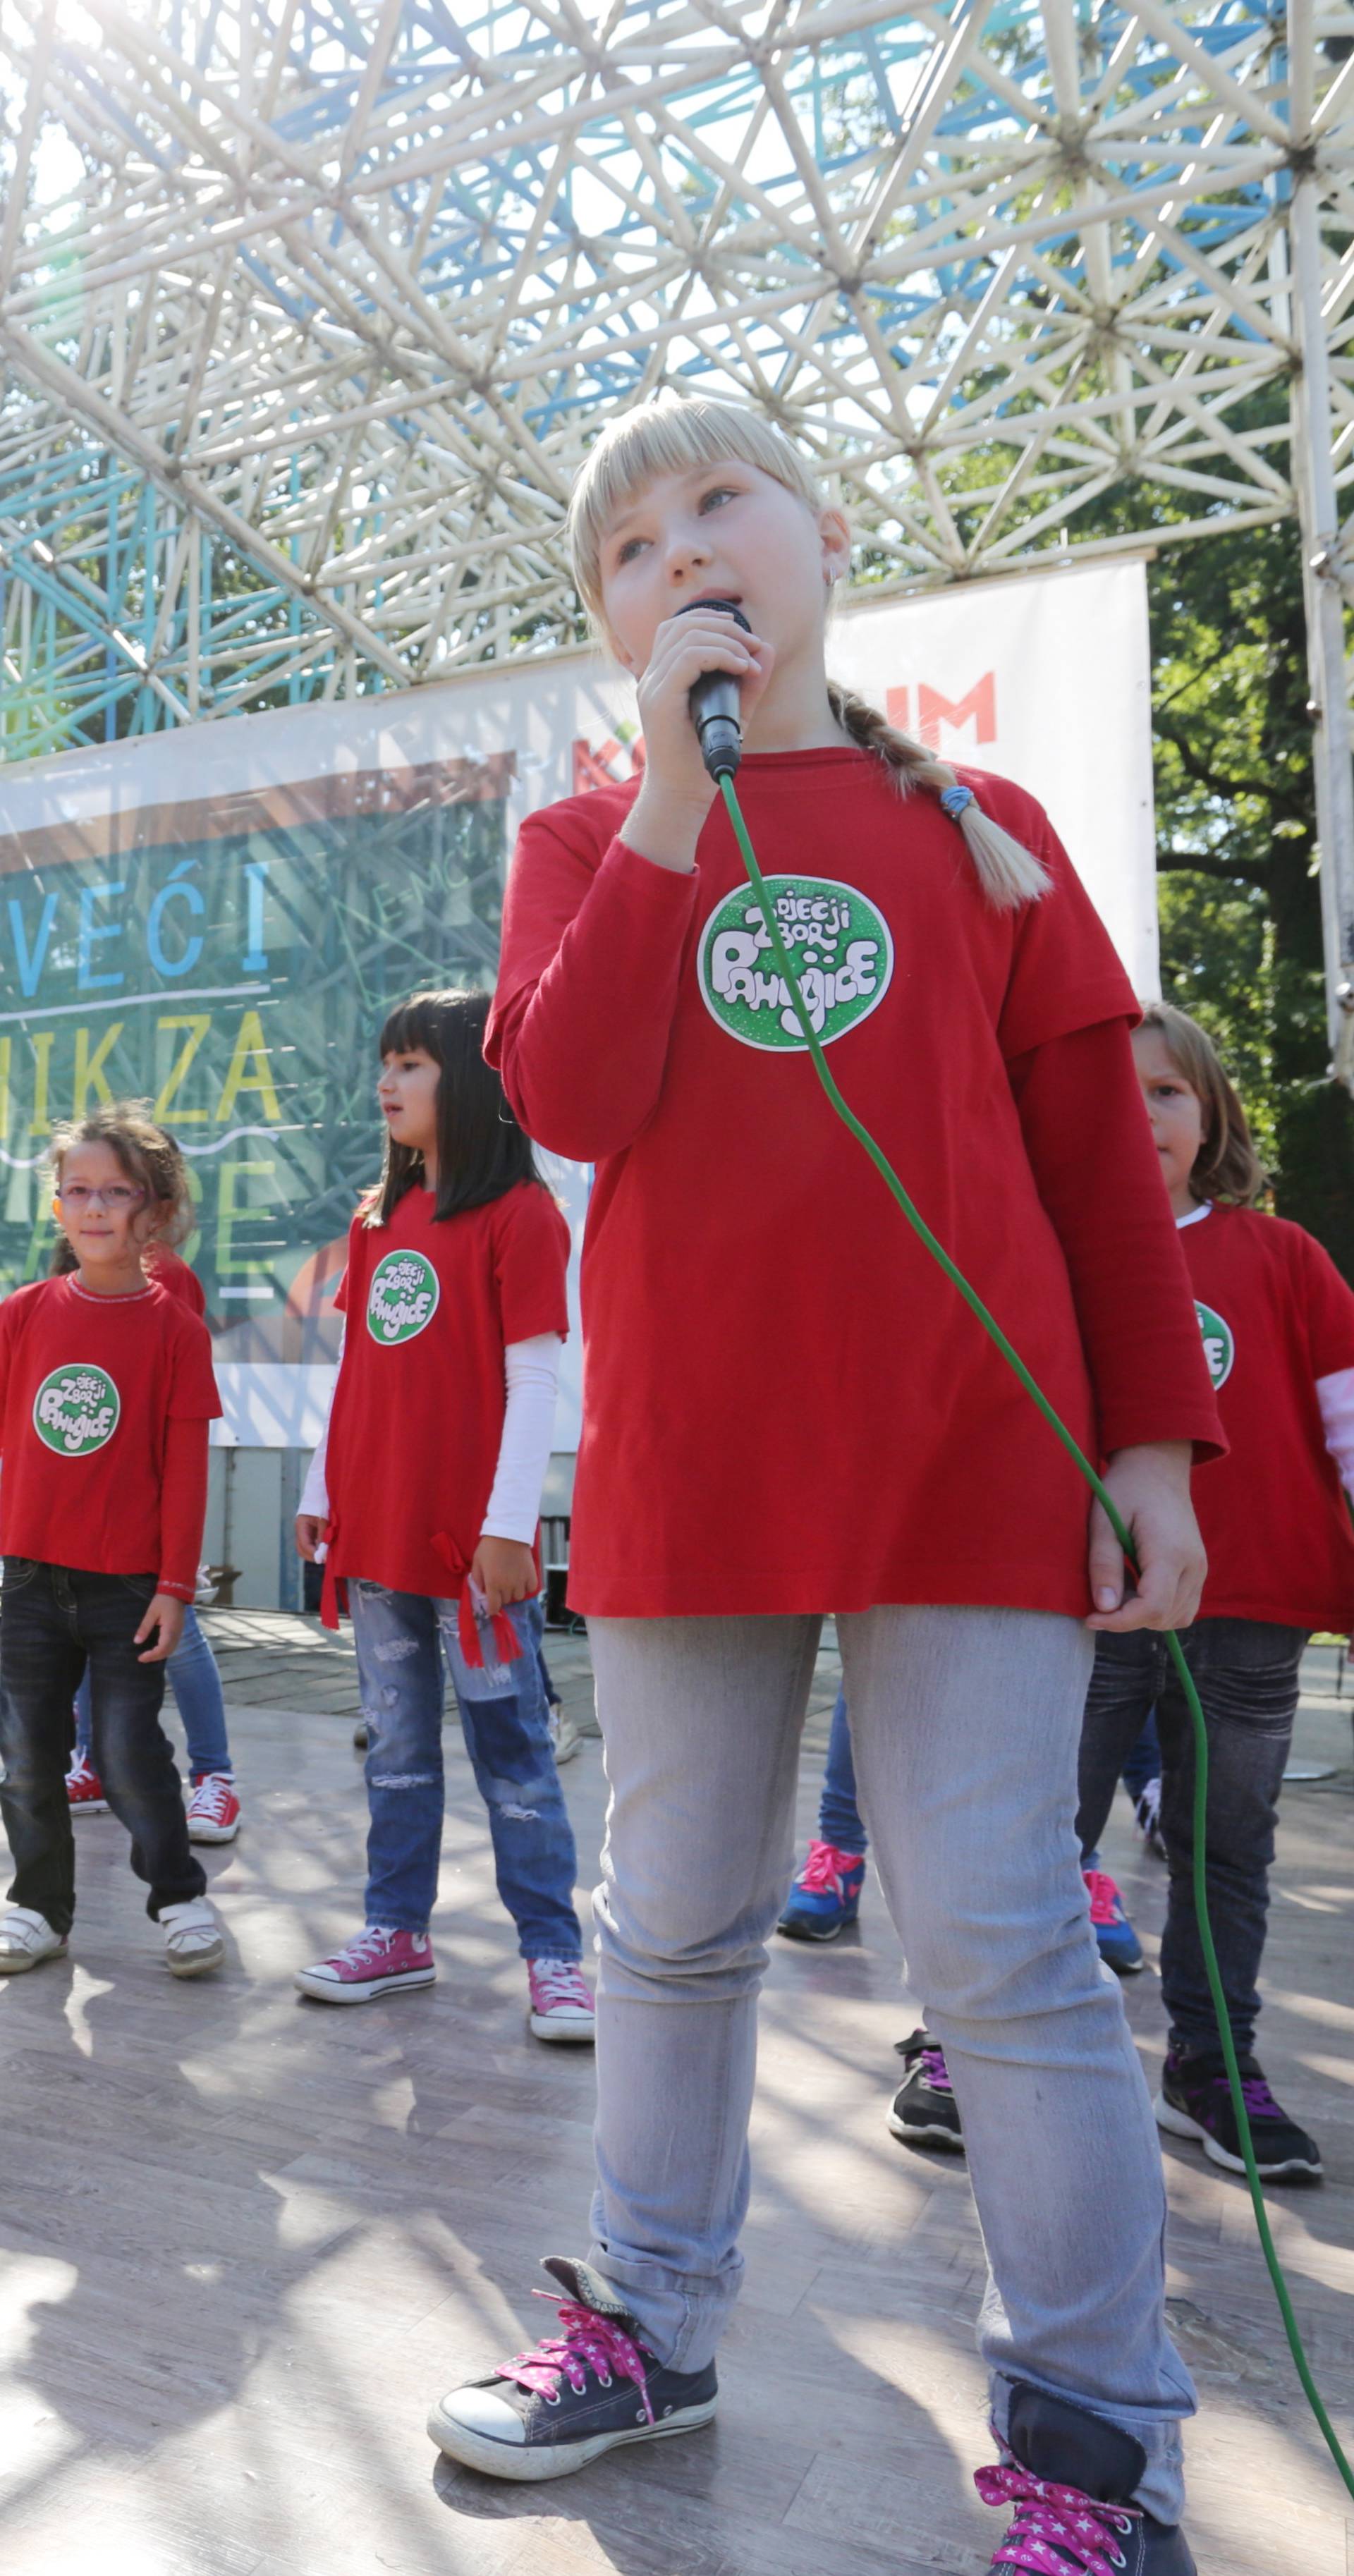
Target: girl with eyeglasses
<point x="106" y="1391"/>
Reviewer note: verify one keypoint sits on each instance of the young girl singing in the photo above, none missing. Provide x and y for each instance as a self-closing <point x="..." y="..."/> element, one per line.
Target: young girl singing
<point x="789" y="1413"/>
<point x="106" y="1391"/>
<point x="1278" y="1329"/>
<point x="426" y="1497"/>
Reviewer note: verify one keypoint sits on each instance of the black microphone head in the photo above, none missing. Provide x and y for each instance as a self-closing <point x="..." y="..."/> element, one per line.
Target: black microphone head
<point x="727" y="608"/>
<point x="713" y="701"/>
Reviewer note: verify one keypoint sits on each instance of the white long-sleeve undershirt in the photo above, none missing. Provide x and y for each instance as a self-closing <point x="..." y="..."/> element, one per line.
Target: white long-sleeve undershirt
<point x="531" y="1382"/>
<point x="1334" y="1394"/>
<point x="531" y="1377"/>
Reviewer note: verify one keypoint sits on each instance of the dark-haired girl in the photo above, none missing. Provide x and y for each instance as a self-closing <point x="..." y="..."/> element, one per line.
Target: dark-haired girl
<point x="426" y="1495"/>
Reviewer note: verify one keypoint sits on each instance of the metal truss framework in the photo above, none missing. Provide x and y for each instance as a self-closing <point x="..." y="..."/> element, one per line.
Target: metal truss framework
<point x="298" y="372"/>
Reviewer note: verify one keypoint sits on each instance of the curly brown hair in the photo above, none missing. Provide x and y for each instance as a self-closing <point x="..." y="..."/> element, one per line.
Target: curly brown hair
<point x="148" y="1156"/>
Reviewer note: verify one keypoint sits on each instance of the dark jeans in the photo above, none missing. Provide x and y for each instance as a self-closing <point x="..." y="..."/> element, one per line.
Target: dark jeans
<point x="53" y="1621"/>
<point x="1246" y="1674"/>
<point x="1144" y="1762"/>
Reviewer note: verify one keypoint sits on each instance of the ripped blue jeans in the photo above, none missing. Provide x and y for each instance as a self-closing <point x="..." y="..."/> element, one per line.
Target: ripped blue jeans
<point x="401" y="1640"/>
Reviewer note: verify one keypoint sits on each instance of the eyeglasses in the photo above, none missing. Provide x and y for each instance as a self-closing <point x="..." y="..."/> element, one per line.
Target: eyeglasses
<point x="118" y="1195"/>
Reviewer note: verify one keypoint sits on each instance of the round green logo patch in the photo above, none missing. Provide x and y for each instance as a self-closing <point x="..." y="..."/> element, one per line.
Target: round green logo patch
<point x="402" y="1298"/>
<point x="839" y="944"/>
<point x="75" y="1411"/>
<point x="1219" y="1347"/>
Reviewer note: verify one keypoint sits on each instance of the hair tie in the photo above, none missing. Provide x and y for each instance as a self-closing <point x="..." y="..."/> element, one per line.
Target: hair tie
<point x="954" y="799"/>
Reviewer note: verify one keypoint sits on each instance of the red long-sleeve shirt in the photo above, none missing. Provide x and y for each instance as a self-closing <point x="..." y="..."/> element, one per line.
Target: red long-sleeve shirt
<point x="787" y="1407"/>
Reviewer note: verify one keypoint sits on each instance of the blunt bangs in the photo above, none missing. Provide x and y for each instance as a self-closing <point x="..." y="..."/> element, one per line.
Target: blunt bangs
<point x="669" y="437"/>
<point x="419" y="1022"/>
<point x="481" y="1150"/>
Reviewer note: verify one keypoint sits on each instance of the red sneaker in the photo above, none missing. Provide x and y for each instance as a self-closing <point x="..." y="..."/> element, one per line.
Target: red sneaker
<point x="84" y="1789"/>
<point x="561" y="2006"/>
<point x="213" y="1809"/>
<point x="378" y="1962"/>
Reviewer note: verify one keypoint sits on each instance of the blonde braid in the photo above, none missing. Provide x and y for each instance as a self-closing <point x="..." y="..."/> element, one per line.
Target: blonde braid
<point x="1008" y="873"/>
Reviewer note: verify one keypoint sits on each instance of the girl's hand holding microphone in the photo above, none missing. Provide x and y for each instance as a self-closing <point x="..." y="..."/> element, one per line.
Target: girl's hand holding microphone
<point x="665" y="821"/>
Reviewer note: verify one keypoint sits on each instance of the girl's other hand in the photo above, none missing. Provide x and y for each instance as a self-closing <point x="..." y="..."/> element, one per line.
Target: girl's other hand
<point x="166" y="1614"/>
<point x="665" y="820"/>
<point x="1150" y="1486"/>
<point x="504" y="1571"/>
<point x="311" y="1533"/>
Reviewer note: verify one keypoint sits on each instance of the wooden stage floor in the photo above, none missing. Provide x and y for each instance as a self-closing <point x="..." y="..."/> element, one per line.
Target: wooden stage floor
<point x="244" y="2240"/>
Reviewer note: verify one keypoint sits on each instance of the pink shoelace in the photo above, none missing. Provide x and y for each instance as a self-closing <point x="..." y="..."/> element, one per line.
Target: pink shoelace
<point x="588" y="2343"/>
<point x="1057" y="2530"/>
<point x="1106" y="1902"/>
<point x="824" y="1869"/>
<point x="365" y="1947"/>
<point x="557" y="1981"/>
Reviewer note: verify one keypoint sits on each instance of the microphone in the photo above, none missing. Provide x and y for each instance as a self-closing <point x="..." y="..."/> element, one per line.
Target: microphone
<point x="714" y="702"/>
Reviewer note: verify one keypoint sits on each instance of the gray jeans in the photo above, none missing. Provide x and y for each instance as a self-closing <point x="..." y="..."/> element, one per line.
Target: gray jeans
<point x="965" y="1726"/>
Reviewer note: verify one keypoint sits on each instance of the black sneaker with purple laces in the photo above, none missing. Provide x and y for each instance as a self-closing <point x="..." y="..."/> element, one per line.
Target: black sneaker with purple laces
<point x="577" y="2393"/>
<point x="1195" y="2101"/>
<point x="925" y="2112"/>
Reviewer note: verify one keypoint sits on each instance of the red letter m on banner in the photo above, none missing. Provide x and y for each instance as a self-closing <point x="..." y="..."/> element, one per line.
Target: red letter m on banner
<point x="934" y="710"/>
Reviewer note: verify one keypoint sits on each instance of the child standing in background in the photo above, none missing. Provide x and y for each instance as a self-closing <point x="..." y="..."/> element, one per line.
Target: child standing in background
<point x="106" y="1391"/>
<point x="213" y="1801"/>
<point x="426" y="1494"/>
<point x="1278" y="1331"/>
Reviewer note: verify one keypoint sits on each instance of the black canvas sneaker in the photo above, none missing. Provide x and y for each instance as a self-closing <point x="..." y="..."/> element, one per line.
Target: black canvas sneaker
<point x="1195" y="2101"/>
<point x="592" y="2386"/>
<point x="925" y="2112"/>
<point x="1069" y="2475"/>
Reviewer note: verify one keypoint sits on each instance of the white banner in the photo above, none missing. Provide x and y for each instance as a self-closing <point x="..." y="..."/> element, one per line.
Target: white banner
<point x="1044" y="679"/>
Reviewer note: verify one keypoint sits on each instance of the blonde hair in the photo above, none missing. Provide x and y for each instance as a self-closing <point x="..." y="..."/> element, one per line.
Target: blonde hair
<point x="672" y="436"/>
<point x="1227" y="1165"/>
<point x="148" y="1156"/>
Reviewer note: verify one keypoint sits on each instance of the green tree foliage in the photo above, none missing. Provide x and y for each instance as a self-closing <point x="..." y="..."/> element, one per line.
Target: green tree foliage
<point x="1236" y="820"/>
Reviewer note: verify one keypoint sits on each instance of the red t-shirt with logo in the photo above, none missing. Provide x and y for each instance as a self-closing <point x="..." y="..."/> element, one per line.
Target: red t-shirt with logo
<point x="87" y="1387"/>
<point x="787" y="1407"/>
<point x="417" y="1419"/>
<point x="1275" y="1316"/>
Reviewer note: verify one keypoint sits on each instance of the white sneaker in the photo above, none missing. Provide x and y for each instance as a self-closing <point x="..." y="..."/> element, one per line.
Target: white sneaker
<point x="26" y="1939"/>
<point x="193" y="1942"/>
<point x="564" y="1736"/>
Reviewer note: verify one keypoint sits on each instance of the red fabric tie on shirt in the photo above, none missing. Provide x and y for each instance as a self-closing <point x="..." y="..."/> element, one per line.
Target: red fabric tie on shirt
<point x="507" y="1644"/>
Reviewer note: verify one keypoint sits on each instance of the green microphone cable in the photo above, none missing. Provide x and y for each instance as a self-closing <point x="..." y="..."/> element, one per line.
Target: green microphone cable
<point x="1059" y="1428"/>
